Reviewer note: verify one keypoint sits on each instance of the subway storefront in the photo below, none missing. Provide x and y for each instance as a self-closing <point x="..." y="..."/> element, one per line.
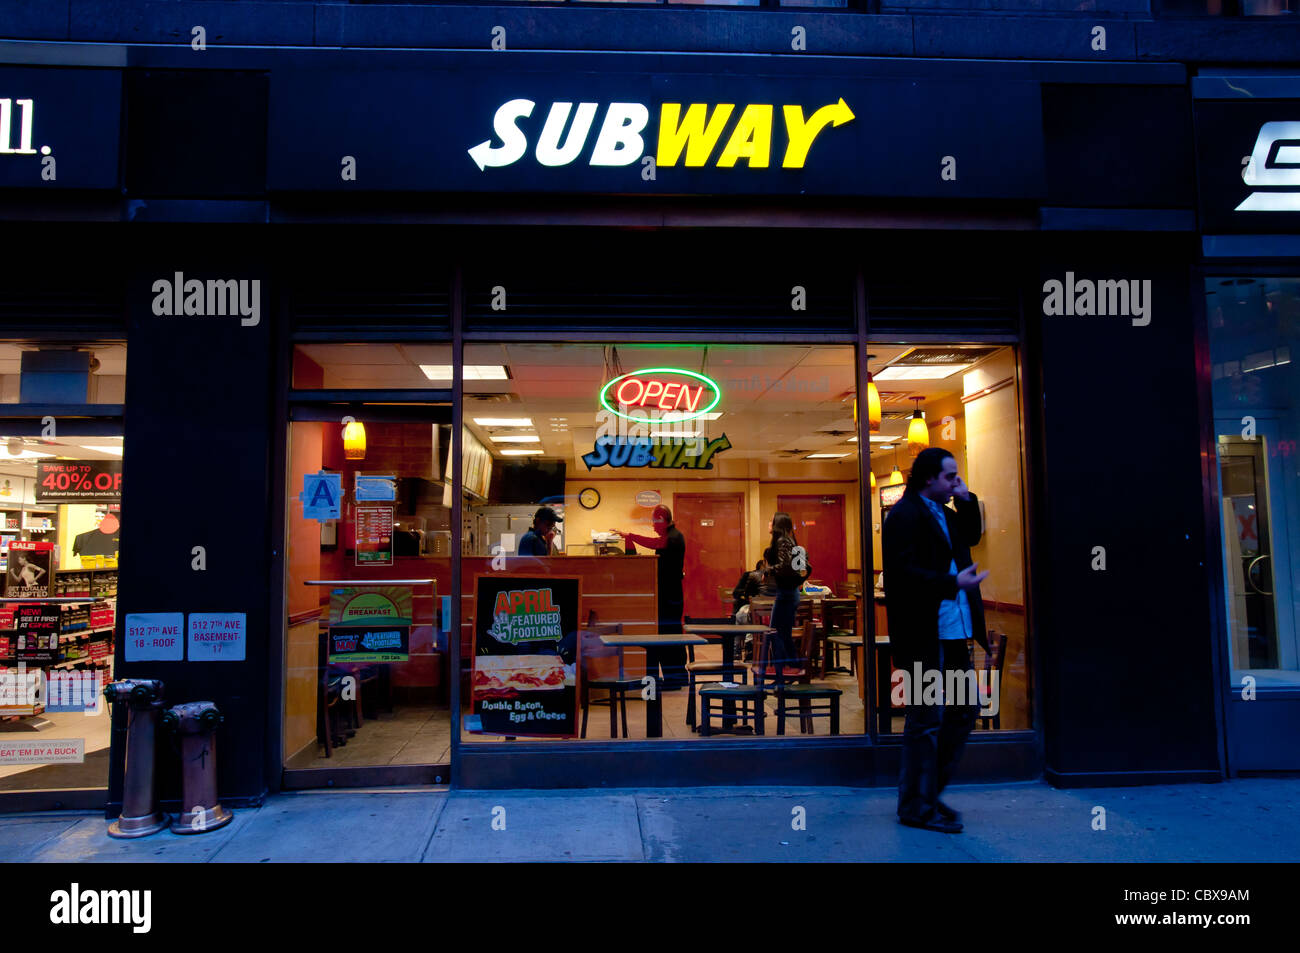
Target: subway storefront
<point x="459" y="413"/>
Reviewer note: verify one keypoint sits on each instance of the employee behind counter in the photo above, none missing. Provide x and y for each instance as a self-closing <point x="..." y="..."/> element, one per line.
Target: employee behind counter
<point x="540" y="539"/>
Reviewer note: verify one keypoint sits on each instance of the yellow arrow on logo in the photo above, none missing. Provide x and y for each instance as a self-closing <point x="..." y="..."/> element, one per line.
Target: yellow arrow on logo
<point x="802" y="134"/>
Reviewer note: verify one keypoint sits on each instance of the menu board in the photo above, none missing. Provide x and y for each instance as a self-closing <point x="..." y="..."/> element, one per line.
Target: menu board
<point x="892" y="493"/>
<point x="371" y="624"/>
<point x="527" y="655"/>
<point x="28" y="573"/>
<point x="476" y="465"/>
<point x="374" y="535"/>
<point x="37" y="635"/>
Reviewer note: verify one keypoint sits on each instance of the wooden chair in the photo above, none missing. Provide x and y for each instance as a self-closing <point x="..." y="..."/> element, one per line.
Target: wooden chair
<point x="331" y="707"/>
<point x="994" y="661"/>
<point x="840" y="631"/>
<point x="616" y="687"/>
<point x="748" y="700"/>
<point x="793" y="683"/>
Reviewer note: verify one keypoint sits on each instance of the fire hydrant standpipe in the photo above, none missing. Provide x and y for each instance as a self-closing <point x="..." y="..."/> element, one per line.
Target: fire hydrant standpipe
<point x="196" y="723"/>
<point x="140" y="816"/>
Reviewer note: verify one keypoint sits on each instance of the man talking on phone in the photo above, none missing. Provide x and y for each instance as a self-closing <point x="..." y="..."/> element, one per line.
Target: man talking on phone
<point x="932" y="600"/>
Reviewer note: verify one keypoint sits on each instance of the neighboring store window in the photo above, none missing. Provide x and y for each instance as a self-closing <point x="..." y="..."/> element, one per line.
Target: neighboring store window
<point x="1254" y="326"/>
<point x="632" y="494"/>
<point x="60" y="531"/>
<point x="72" y="374"/>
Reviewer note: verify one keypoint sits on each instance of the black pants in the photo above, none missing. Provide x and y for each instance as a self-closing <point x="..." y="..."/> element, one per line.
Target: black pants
<point x="671" y="658"/>
<point x="934" y="735"/>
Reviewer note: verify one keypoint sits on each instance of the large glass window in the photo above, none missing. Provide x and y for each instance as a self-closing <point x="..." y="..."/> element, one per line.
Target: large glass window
<point x="965" y="399"/>
<point x="71" y="374"/>
<point x="1254" y="328"/>
<point x="60" y="530"/>
<point x="628" y="521"/>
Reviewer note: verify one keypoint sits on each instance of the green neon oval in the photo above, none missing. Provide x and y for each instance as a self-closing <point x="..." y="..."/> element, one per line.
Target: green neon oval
<point x="717" y="391"/>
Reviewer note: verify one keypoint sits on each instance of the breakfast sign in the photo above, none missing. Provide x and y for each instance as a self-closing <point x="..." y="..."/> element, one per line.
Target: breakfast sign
<point x="370" y="624"/>
<point x="526" y="655"/>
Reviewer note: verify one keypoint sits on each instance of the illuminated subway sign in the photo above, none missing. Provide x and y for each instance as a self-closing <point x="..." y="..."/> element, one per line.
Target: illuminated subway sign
<point x="682" y="394"/>
<point x="688" y="137"/>
<point x="674" y="454"/>
<point x="1274" y="163"/>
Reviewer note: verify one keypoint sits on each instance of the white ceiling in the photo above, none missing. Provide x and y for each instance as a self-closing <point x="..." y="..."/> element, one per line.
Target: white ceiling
<point x="774" y="397"/>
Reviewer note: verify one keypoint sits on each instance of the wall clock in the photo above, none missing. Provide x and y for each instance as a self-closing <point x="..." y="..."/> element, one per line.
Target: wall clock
<point x="589" y="498"/>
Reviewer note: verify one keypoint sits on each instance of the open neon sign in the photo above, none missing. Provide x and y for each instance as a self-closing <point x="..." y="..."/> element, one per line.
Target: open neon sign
<point x="653" y="388"/>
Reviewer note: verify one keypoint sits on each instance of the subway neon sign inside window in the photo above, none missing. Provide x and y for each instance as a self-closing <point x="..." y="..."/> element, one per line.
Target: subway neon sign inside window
<point x="683" y="393"/>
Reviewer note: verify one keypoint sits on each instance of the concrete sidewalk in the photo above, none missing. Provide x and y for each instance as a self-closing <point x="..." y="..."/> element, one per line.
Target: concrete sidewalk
<point x="1240" y="820"/>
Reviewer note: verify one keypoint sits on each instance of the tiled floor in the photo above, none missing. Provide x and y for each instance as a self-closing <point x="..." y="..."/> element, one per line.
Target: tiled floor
<point x="422" y="735"/>
<point x="410" y="735"/>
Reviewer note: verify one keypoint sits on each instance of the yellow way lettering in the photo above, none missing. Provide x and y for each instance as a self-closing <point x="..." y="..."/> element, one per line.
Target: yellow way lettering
<point x="802" y="134"/>
<point x="690" y="132"/>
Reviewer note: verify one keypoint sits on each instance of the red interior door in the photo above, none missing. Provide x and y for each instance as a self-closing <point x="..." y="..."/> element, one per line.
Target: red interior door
<point x="819" y="527"/>
<point x="714" y="527"/>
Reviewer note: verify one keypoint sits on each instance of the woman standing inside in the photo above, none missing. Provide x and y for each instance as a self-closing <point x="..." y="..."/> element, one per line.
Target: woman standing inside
<point x="788" y="568"/>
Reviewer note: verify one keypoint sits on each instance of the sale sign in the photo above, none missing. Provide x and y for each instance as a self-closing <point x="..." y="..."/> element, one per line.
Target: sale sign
<point x="79" y="481"/>
<point x="28" y="573"/>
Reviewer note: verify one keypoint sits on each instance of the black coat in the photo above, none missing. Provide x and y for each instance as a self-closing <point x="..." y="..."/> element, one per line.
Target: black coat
<point x="916" y="565"/>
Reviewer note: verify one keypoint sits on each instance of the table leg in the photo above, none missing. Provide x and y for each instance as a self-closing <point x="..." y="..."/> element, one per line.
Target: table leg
<point x="654" y="710"/>
<point x="884" y="710"/>
<point x="728" y="662"/>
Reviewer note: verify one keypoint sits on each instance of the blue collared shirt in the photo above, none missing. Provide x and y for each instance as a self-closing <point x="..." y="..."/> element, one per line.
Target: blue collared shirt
<point x="954" y="614"/>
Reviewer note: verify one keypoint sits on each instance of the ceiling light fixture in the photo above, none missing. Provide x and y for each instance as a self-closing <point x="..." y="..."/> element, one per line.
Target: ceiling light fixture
<point x="873" y="402"/>
<point x="473" y="372"/>
<point x="515" y="438"/>
<point x="354" y="440"/>
<point x="504" y="421"/>
<point x="825" y="456"/>
<point x="520" y="453"/>
<point x="895" y="477"/>
<point x="919" y="372"/>
<point x="918" y="434"/>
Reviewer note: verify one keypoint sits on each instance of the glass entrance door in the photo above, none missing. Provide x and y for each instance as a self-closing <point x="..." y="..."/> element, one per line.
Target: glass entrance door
<point x="368" y="673"/>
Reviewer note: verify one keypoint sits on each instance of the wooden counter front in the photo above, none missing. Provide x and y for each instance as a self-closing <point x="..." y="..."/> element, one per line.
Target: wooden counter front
<point x="617" y="588"/>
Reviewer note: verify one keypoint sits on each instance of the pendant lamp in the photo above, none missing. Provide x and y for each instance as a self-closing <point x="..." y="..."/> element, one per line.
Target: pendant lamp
<point x="873" y="405"/>
<point x="896" y="477"/>
<point x="354" y="440"/>
<point x="918" y="434"/>
<point x="873" y="479"/>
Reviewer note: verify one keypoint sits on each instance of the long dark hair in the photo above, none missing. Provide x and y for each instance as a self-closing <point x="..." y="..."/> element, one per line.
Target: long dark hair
<point x="782" y="528"/>
<point x="928" y="463"/>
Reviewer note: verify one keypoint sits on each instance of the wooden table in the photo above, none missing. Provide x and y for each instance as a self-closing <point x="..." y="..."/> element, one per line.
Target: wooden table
<point x="654" y="727"/>
<point x="722" y="633"/>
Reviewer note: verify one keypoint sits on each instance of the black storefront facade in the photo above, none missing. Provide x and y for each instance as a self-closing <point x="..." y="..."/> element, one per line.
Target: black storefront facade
<point x="898" y="231"/>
